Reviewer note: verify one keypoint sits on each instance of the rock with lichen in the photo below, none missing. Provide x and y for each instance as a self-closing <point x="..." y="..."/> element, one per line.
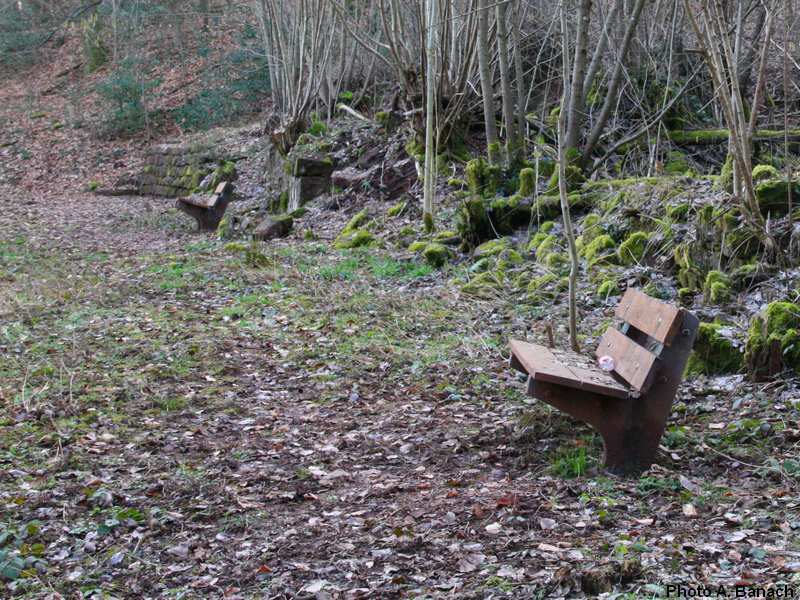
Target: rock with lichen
<point x="773" y="341"/>
<point x="714" y="351"/>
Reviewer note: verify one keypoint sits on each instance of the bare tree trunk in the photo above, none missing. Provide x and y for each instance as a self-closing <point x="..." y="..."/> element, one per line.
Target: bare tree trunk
<point x="512" y="145"/>
<point x="562" y="188"/>
<point x="430" y="107"/>
<point x="721" y="60"/>
<point x="575" y="109"/>
<point x="487" y="89"/>
<point x="614" y="85"/>
<point x="519" y="79"/>
<point x="597" y="56"/>
<point x="787" y="20"/>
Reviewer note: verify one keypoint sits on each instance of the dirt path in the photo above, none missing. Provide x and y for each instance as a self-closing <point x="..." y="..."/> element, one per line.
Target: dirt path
<point x="180" y="423"/>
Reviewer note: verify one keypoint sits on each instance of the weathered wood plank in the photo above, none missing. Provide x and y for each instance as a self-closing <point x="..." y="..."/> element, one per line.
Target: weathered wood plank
<point x="659" y="320"/>
<point x="565" y="368"/>
<point x="632" y="362"/>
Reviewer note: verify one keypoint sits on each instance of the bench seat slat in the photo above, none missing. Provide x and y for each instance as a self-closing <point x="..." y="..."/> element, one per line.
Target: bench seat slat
<point x="201" y="201"/>
<point x="634" y="363"/>
<point x="659" y="320"/>
<point x="567" y="369"/>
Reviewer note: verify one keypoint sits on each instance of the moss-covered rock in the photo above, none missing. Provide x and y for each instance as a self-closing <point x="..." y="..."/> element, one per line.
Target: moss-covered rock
<point x="397" y="210"/>
<point x="717" y="287"/>
<point x="527" y="182"/>
<point x="447" y="237"/>
<point x="354" y="239"/>
<point x="632" y="250"/>
<point x="772" y="342"/>
<point x="482" y="178"/>
<point x="509" y="258"/>
<point x="436" y="254"/>
<point x="485" y="285"/>
<point x="358" y="220"/>
<point x="677" y="163"/>
<point x="224" y="229"/>
<point x="549" y="206"/>
<point x="764" y="172"/>
<point x="508" y="214"/>
<point x="481" y="265"/>
<point x="725" y="180"/>
<point x="226" y="171"/>
<point x="456" y="182"/>
<point x="600" y="249"/>
<point x="654" y="290"/>
<point x="747" y="275"/>
<point x="679" y="212"/>
<point x="555" y="260"/>
<point x="536" y="241"/>
<point x="607" y="289"/>
<point x="473" y="223"/>
<point x="545" y="245"/>
<point x="714" y="353"/>
<point x="591" y="223"/>
<point x="545" y="288"/>
<point x="493" y="247"/>
<point x="690" y="275"/>
<point x="354" y="235"/>
<point x="773" y="196"/>
<point x="575" y="175"/>
<point x="537" y="283"/>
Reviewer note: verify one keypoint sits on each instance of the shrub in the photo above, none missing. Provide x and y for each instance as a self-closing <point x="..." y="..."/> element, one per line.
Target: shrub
<point x="126" y="92"/>
<point x="233" y="88"/>
<point x="95" y="53"/>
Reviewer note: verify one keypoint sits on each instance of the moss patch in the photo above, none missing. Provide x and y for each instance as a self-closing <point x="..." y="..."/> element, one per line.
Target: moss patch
<point x="772" y="342"/>
<point x="354" y="235"/>
<point x="483" y="179"/>
<point x="600" y="249"/>
<point x="773" y="196"/>
<point x="633" y="249"/>
<point x="607" y="289"/>
<point x="473" y="223"/>
<point x="436" y="255"/>
<point x="493" y="247"/>
<point x="677" y="163"/>
<point x="397" y="210"/>
<point x="717" y="287"/>
<point x="764" y="172"/>
<point x="714" y="353"/>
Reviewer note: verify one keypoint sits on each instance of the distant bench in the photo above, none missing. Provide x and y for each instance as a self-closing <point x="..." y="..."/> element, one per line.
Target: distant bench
<point x="628" y="406"/>
<point x="207" y="210"/>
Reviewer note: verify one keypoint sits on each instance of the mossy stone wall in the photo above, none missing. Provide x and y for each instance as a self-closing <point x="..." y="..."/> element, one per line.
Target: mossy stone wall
<point x="176" y="170"/>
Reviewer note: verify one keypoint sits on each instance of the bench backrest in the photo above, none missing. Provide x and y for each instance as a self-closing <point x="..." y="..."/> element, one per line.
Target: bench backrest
<point x="648" y="326"/>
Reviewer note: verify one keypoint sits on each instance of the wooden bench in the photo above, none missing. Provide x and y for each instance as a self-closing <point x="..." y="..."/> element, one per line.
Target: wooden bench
<point x="629" y="406"/>
<point x="207" y="210"/>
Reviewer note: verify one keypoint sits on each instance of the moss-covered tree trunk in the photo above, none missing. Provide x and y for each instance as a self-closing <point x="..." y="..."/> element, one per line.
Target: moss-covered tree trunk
<point x="487" y="89"/>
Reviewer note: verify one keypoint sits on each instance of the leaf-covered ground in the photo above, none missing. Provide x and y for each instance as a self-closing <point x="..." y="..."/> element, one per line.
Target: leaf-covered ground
<point x="184" y="421"/>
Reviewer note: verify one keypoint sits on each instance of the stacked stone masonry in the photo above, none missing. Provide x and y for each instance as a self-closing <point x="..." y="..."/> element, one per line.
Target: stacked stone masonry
<point x="176" y="170"/>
